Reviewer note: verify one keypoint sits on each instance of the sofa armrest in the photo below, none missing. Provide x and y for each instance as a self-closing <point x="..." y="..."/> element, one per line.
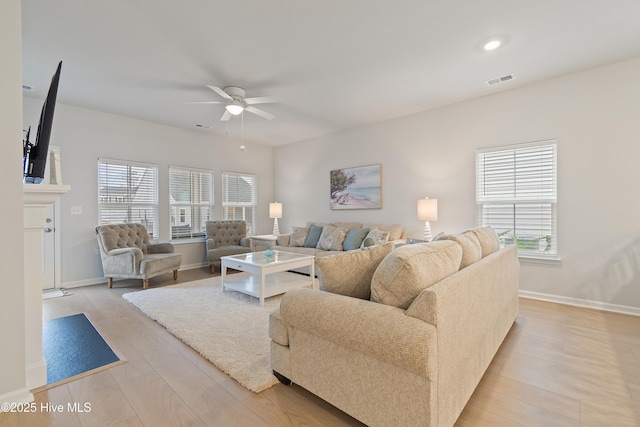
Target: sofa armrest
<point x="380" y="331"/>
<point x="160" y="248"/>
<point x="246" y="242"/>
<point x="122" y="261"/>
<point x="283" y="240"/>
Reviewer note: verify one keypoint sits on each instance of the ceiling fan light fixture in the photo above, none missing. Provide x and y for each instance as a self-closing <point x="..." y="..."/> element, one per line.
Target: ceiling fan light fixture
<point x="235" y="107"/>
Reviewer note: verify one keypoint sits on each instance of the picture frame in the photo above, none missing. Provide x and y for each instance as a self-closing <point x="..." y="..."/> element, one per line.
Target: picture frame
<point x="356" y="188"/>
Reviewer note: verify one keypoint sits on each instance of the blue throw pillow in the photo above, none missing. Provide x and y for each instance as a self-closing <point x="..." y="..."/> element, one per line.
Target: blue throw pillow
<point x="314" y="235"/>
<point x="354" y="238"/>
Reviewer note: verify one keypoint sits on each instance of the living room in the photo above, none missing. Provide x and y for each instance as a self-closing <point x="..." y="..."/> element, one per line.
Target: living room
<point x="591" y="112"/>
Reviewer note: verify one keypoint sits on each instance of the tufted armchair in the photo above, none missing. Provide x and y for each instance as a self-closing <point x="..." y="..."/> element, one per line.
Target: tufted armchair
<point x="225" y="238"/>
<point x="126" y="253"/>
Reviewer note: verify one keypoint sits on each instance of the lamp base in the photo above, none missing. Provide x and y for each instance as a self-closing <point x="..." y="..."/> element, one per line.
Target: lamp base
<point x="276" y="229"/>
<point x="427" y="231"/>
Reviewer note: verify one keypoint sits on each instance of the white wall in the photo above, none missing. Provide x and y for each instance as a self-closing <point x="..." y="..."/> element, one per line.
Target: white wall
<point x="12" y="302"/>
<point x="594" y="114"/>
<point x="85" y="135"/>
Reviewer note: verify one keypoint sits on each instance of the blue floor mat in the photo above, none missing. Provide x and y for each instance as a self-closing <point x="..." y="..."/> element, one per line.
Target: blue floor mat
<point x="72" y="346"/>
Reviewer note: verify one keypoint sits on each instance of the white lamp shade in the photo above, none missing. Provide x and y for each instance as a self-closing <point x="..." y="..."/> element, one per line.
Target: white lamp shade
<point x="428" y="209"/>
<point x="275" y="210"/>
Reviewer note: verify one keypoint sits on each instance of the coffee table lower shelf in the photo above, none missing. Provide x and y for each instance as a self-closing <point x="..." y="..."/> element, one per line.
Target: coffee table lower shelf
<point x="275" y="284"/>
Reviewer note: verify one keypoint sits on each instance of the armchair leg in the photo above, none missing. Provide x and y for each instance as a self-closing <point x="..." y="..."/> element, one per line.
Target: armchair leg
<point x="110" y="282"/>
<point x="175" y="274"/>
<point x="212" y="268"/>
<point x="145" y="284"/>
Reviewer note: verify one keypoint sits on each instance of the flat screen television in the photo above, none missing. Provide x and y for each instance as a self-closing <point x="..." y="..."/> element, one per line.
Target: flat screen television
<point x="35" y="155"/>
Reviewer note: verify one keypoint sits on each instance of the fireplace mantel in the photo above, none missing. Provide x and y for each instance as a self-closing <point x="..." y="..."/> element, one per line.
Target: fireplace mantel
<point x="36" y="199"/>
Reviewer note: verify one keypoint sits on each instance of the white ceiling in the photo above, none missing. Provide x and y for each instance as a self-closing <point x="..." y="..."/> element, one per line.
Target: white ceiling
<point x="333" y="64"/>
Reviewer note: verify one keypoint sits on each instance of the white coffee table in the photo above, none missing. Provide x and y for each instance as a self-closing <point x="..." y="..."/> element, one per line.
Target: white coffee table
<point x="269" y="275"/>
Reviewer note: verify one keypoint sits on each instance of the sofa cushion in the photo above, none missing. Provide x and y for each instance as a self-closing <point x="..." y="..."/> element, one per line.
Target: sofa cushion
<point x="314" y="235"/>
<point x="331" y="238"/>
<point x="299" y="236"/>
<point x="375" y="237"/>
<point x="354" y="238"/>
<point x="471" y="249"/>
<point x="488" y="238"/>
<point x="395" y="230"/>
<point x="350" y="273"/>
<point x="410" y="269"/>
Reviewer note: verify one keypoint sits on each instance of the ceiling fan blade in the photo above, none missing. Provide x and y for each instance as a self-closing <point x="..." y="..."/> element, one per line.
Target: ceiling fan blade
<point x="203" y="102"/>
<point x="261" y="100"/>
<point x="226" y="116"/>
<point x="219" y="91"/>
<point x="260" y="113"/>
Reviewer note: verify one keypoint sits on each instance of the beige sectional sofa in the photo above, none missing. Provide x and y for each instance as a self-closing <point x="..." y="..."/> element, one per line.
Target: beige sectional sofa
<point x="408" y="347"/>
<point x="300" y="242"/>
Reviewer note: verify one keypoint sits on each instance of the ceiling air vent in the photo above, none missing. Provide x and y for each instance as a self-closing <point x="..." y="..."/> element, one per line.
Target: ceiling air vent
<point x="27" y="88"/>
<point x="201" y="126"/>
<point x="498" y="80"/>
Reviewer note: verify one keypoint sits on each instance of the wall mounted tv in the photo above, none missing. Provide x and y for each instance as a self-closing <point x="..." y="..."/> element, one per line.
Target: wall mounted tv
<point x="35" y="154"/>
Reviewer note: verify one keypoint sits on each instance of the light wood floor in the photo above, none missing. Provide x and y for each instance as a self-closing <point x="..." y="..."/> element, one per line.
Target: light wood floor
<point x="559" y="366"/>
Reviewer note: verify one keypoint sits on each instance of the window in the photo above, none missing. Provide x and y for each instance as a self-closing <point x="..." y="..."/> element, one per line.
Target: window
<point x="239" y="198"/>
<point x="516" y="195"/>
<point x="191" y="201"/>
<point x="128" y="192"/>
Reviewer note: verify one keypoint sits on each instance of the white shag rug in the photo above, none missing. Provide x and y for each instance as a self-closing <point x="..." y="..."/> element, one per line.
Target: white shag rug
<point x="228" y="328"/>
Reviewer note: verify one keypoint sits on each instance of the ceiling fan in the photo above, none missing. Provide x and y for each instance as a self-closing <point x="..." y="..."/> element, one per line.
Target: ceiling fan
<point x="236" y="102"/>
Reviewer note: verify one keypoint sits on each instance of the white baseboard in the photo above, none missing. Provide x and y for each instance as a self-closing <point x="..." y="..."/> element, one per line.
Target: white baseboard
<point x="86" y="282"/>
<point x="101" y="280"/>
<point x="36" y="374"/>
<point x="192" y="266"/>
<point x="22" y="395"/>
<point x="623" y="309"/>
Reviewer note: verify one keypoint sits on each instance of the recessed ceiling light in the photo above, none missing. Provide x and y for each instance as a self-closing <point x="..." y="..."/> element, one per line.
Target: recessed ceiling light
<point x="492" y="44"/>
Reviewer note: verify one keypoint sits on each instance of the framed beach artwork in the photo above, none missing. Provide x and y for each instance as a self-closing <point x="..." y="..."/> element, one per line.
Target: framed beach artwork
<point x="356" y="188"/>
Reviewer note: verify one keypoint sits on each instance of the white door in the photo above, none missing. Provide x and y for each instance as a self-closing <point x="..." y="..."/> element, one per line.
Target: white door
<point x="49" y="250"/>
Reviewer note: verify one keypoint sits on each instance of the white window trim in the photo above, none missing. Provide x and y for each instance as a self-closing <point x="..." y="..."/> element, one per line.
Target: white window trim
<point x="154" y="235"/>
<point x="172" y="205"/>
<point x="531" y="257"/>
<point x="253" y="206"/>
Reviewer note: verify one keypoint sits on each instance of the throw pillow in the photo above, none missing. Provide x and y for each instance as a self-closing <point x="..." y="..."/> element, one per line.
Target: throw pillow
<point x="410" y="269"/>
<point x="350" y="273"/>
<point x="354" y="238"/>
<point x="395" y="230"/>
<point x="488" y="238"/>
<point x="331" y="238"/>
<point x="375" y="237"/>
<point x="314" y="235"/>
<point x="299" y="236"/>
<point x="471" y="250"/>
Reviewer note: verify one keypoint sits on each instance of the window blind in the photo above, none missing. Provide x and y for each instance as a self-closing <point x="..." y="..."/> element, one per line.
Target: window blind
<point x="128" y="192"/>
<point x="239" y="198"/>
<point x="516" y="195"/>
<point x="191" y="201"/>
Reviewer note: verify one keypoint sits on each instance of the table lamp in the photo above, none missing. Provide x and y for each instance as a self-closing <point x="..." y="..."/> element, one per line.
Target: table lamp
<point x="427" y="211"/>
<point x="275" y="212"/>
